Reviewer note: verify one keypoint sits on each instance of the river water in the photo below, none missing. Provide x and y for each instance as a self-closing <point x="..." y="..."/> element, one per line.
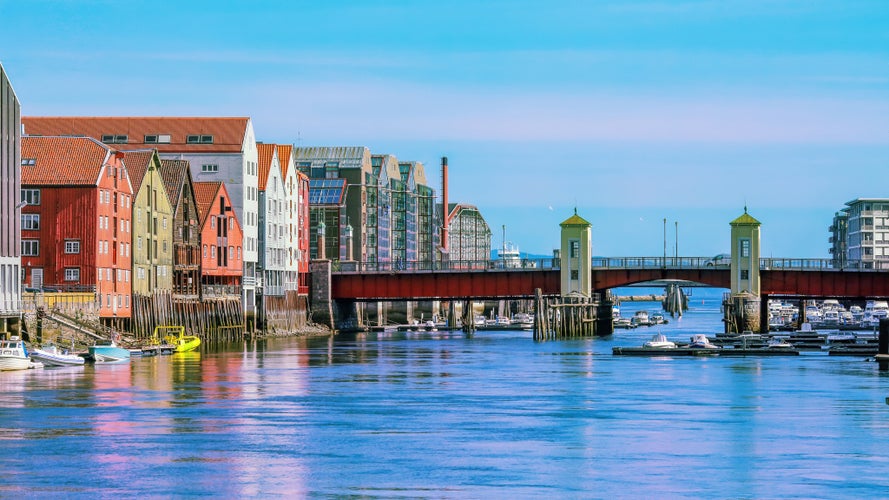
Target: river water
<point x="446" y="415"/>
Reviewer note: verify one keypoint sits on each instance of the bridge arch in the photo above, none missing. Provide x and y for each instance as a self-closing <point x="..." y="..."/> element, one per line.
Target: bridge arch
<point x="604" y="279"/>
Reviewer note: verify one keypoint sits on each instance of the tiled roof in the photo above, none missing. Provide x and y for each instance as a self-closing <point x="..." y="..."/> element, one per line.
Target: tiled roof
<point x="74" y="161"/>
<point x="205" y="196"/>
<point x="265" y="152"/>
<point x="284" y="152"/>
<point x="137" y="163"/>
<point x="227" y="133"/>
<point x="174" y="173"/>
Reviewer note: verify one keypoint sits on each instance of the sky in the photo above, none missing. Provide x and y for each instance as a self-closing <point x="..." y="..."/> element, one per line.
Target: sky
<point x="632" y="112"/>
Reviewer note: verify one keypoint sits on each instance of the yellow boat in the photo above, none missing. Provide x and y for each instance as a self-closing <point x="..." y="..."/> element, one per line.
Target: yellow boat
<point x="175" y="336"/>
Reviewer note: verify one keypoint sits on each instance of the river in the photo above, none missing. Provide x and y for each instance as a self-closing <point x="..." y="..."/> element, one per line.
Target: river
<point x="448" y="415"/>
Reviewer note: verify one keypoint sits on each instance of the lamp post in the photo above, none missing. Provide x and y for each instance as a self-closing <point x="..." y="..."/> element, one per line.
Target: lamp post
<point x="677" y="240"/>
<point x="665" y="242"/>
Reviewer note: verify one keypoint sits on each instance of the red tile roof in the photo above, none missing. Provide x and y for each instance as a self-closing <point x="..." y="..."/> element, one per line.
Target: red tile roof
<point x="284" y="151"/>
<point x="63" y="160"/>
<point x="228" y="133"/>
<point x="205" y="196"/>
<point x="137" y="163"/>
<point x="265" y="152"/>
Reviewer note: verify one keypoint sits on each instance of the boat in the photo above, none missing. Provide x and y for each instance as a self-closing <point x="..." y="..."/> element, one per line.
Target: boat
<point x="640" y="319"/>
<point x="14" y="355"/>
<point x="840" y="337"/>
<point x="51" y="355"/>
<point x="660" y="341"/>
<point x="700" y="341"/>
<point x="778" y="343"/>
<point x="429" y="326"/>
<point x="523" y="320"/>
<point x="109" y="352"/>
<point x="175" y="336"/>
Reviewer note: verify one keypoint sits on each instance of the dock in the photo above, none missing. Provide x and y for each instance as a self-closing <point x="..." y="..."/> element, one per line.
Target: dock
<point x="686" y="351"/>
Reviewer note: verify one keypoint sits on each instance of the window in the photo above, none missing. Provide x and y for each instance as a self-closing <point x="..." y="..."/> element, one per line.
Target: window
<point x="745" y="248"/>
<point x="165" y="223"/>
<point x="30" y="222"/>
<point x="140" y="273"/>
<point x="745" y="274"/>
<point x="165" y="246"/>
<point x="575" y="275"/>
<point x="31" y="196"/>
<point x="205" y="251"/>
<point x="29" y="162"/>
<point x="150" y="139"/>
<point x="574" y="251"/>
<point x="199" y="139"/>
<point x="72" y="246"/>
<point x="139" y="243"/>
<point x="72" y="274"/>
<point x="157" y="139"/>
<point x="30" y="248"/>
<point x="210" y="168"/>
<point x="114" y="139"/>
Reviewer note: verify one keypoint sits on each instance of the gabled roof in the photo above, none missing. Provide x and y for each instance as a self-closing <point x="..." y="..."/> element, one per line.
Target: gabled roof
<point x="575" y="220"/>
<point x="174" y="173"/>
<point x="228" y="134"/>
<point x="205" y="196"/>
<point x="138" y="162"/>
<point x="284" y="152"/>
<point x="266" y="154"/>
<point x="75" y="161"/>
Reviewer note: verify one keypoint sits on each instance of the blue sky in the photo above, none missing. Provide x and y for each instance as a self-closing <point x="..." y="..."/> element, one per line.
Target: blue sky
<point x="632" y="111"/>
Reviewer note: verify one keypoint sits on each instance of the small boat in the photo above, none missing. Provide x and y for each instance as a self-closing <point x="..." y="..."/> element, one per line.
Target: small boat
<point x="700" y="341"/>
<point x="177" y="338"/>
<point x="659" y="341"/>
<point x="109" y="352"/>
<point x="429" y="326"/>
<point x="51" y="355"/>
<point x="839" y="337"/>
<point x="778" y="343"/>
<point x="14" y="355"/>
<point x="640" y="319"/>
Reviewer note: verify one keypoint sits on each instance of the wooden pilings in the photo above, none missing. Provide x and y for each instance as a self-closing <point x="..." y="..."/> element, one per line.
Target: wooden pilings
<point x="564" y="317"/>
<point x="217" y="319"/>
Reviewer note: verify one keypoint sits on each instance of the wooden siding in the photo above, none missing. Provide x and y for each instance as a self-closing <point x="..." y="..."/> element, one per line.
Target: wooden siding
<point x="152" y="213"/>
<point x="211" y="272"/>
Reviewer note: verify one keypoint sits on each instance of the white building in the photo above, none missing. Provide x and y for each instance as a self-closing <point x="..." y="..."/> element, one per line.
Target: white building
<point x="290" y="180"/>
<point x="10" y="200"/>
<point x="273" y="221"/>
<point x="218" y="149"/>
<point x="867" y="233"/>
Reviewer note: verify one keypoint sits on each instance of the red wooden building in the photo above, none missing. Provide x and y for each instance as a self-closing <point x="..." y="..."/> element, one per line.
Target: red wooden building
<point x="221" y="240"/>
<point x="77" y="225"/>
<point x="303" y="232"/>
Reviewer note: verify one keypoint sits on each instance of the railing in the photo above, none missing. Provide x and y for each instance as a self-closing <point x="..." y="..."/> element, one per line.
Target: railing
<point x="700" y="263"/>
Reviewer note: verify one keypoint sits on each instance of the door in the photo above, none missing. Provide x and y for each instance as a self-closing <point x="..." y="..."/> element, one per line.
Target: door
<point x="37" y="277"/>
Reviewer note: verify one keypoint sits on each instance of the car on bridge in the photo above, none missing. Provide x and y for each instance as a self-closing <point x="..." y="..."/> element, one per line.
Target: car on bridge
<point x="723" y="259"/>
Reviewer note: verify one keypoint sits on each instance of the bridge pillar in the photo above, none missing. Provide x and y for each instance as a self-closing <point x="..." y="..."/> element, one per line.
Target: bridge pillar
<point x="321" y="306"/>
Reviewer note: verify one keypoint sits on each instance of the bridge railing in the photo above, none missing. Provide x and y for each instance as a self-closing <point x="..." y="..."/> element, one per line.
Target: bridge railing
<point x="605" y="263"/>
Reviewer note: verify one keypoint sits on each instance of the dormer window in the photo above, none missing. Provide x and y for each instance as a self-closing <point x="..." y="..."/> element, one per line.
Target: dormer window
<point x="199" y="139"/>
<point x="157" y="139"/>
<point x="114" y="139"/>
<point x="29" y="162"/>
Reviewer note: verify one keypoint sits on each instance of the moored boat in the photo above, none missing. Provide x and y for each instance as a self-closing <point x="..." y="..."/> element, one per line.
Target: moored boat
<point x="700" y="341"/>
<point x="177" y="338"/>
<point x="14" y="355"/>
<point x="109" y="352"/>
<point x="660" y="341"/>
<point x="51" y="355"/>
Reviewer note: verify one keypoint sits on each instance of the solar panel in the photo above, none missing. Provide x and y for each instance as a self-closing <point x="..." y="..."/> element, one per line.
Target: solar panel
<point x="326" y="191"/>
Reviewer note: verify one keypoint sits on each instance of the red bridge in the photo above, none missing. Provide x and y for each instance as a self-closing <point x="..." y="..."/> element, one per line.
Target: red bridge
<point x="809" y="278"/>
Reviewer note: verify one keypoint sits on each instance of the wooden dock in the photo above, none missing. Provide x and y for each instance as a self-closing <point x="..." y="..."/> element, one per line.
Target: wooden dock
<point x="686" y="351"/>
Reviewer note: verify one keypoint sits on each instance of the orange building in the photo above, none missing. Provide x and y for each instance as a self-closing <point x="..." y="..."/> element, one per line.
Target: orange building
<point x="221" y="240"/>
<point x="77" y="225"/>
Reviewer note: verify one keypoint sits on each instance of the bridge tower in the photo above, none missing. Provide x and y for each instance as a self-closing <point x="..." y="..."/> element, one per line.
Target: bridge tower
<point x="576" y="255"/>
<point x="744" y="311"/>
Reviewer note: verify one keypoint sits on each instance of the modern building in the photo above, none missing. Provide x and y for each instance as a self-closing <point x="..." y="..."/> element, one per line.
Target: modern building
<point x="469" y="236"/>
<point x="866" y="233"/>
<point x="152" y="251"/>
<point x="10" y="203"/>
<point x="186" y="228"/>
<point x="838" y="232"/>
<point x="77" y="227"/>
<point x="337" y="175"/>
<point x="221" y="241"/>
<point x="218" y="149"/>
<point x="384" y="168"/>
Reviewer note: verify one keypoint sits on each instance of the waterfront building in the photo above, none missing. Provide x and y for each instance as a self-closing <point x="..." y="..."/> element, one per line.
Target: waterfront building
<point x="838" y="234"/>
<point x="152" y="250"/>
<point x="273" y="221"/>
<point x="866" y="233"/>
<point x="404" y="211"/>
<point x="77" y="226"/>
<point x="10" y="203"/>
<point x="337" y="198"/>
<point x="218" y="149"/>
<point x="221" y="240"/>
<point x="296" y="186"/>
<point x="186" y="228"/>
<point x="576" y="253"/>
<point x="384" y="168"/>
<point x="303" y="232"/>
<point x="469" y="236"/>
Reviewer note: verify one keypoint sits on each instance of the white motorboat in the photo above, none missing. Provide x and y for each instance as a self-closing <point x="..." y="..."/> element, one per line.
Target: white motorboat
<point x="51" y="355"/>
<point x="778" y="343"/>
<point x="429" y="326"/>
<point x="700" y="341"/>
<point x="659" y="341"/>
<point x="14" y="355"/>
<point x="640" y="319"/>
<point x="839" y="337"/>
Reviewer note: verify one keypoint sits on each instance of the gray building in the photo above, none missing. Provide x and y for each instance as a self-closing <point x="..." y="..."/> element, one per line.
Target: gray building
<point x="10" y="203"/>
<point x="469" y="236"/>
<point x="866" y="233"/>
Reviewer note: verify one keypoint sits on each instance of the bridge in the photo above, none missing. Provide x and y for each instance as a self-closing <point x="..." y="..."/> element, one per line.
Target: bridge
<point x="498" y="279"/>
